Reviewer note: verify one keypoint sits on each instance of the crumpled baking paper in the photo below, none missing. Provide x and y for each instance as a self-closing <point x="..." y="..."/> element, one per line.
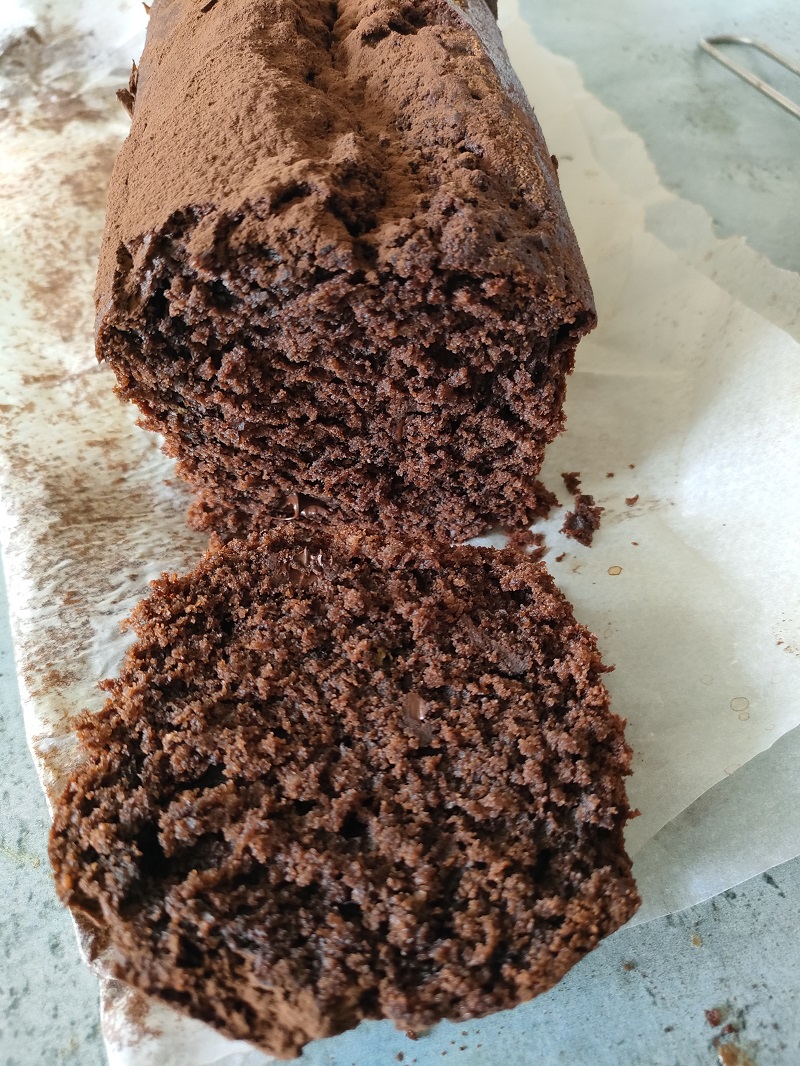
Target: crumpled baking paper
<point x="681" y="420"/>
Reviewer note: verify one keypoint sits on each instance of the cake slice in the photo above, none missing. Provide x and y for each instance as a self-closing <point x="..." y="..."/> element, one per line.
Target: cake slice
<point x="345" y="776"/>
<point x="337" y="264"/>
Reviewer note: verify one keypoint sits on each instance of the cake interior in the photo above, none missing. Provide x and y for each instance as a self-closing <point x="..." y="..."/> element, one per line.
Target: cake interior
<point x="346" y="776"/>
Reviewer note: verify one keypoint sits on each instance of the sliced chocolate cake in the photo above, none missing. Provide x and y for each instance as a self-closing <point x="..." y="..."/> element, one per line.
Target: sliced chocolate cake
<point x="344" y="776"/>
<point x="337" y="263"/>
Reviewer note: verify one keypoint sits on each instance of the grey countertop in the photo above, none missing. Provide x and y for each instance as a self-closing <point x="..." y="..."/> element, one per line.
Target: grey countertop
<point x="642" y="998"/>
<point x="714" y="139"/>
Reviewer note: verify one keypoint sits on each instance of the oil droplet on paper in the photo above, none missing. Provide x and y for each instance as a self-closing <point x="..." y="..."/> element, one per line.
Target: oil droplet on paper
<point x="743" y="716"/>
<point x="706" y="679"/>
<point x="614" y="570"/>
<point x="732" y="1055"/>
<point x="740" y="703"/>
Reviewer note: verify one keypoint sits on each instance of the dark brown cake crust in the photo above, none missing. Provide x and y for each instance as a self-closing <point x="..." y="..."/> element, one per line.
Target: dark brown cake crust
<point x="343" y="776"/>
<point x="337" y="262"/>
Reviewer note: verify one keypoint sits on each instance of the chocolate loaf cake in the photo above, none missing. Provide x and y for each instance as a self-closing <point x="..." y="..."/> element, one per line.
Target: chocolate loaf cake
<point x="347" y="776"/>
<point x="337" y="263"/>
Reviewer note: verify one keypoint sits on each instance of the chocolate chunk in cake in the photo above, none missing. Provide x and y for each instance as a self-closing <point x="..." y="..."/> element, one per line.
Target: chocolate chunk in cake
<point x="344" y="776"/>
<point x="337" y="263"/>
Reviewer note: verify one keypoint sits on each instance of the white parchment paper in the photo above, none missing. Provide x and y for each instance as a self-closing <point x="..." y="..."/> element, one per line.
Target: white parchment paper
<point x="686" y="394"/>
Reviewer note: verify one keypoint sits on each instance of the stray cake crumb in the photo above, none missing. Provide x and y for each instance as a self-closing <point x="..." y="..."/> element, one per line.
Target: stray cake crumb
<point x="529" y="543"/>
<point x="572" y="481"/>
<point x="581" y="523"/>
<point x="544" y="503"/>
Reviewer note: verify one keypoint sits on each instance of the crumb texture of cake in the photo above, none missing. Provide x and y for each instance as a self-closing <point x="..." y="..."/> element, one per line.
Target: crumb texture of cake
<point x="343" y="776"/>
<point x="337" y="262"/>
